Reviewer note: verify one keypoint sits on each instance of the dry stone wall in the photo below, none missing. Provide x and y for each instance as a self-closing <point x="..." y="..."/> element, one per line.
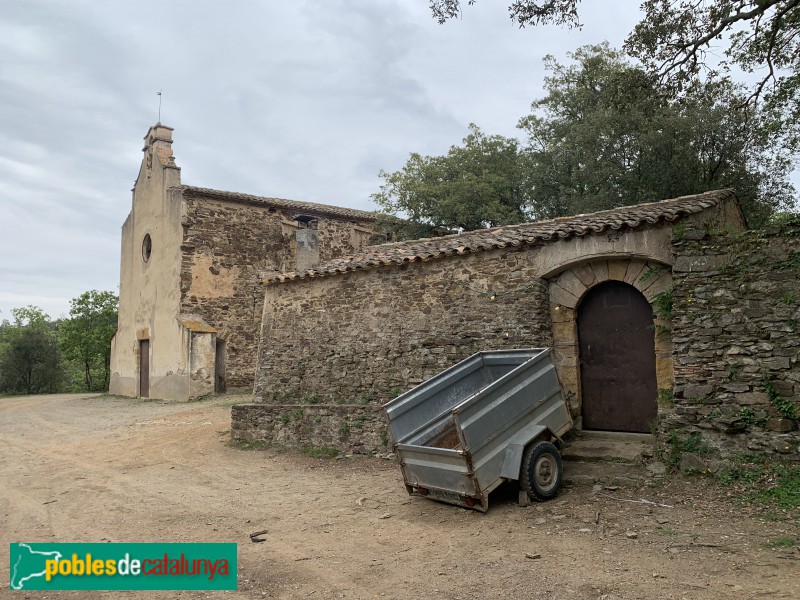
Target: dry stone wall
<point x="333" y="349"/>
<point x="227" y="249"/>
<point x="221" y="242"/>
<point x="360" y="429"/>
<point x="736" y="337"/>
<point x="337" y="239"/>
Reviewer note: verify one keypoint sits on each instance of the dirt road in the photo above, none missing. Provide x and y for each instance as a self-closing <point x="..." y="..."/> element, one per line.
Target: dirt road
<point x="93" y="469"/>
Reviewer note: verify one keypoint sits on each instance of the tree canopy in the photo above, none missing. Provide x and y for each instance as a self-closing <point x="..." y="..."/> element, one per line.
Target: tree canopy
<point x="29" y="359"/>
<point x="480" y="183"/>
<point x="524" y="12"/>
<point x="608" y="133"/>
<point x="675" y="39"/>
<point x="41" y="355"/>
<point x="605" y="134"/>
<point x="86" y="336"/>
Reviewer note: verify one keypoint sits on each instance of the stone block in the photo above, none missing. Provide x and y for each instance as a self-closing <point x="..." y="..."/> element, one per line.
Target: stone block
<point x="778" y="363"/>
<point x="663" y="342"/>
<point x="700" y="264"/>
<point x="780" y="425"/>
<point x="569" y="362"/>
<point x="694" y="234"/>
<point x="664" y="372"/>
<point x="562" y="297"/>
<point x="760" y="347"/>
<point x="569" y="378"/>
<point x="561" y="314"/>
<point x="617" y="269"/>
<point x="731" y="425"/>
<point x="570" y="281"/>
<point x="634" y="271"/>
<point x="565" y="332"/>
<point x="650" y="275"/>
<point x="586" y="275"/>
<point x="751" y="398"/>
<point x="692" y="463"/>
<point x="682" y="264"/>
<point x="695" y="391"/>
<point x="735" y="351"/>
<point x="784" y="388"/>
<point x="600" y="268"/>
<point x="736" y="387"/>
<point x="662" y="285"/>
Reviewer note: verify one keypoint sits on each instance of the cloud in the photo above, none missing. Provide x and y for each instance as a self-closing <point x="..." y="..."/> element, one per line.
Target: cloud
<point x="302" y="99"/>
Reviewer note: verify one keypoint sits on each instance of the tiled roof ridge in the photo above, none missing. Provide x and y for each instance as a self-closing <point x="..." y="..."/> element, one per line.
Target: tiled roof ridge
<point x="299" y="205"/>
<point x="631" y="217"/>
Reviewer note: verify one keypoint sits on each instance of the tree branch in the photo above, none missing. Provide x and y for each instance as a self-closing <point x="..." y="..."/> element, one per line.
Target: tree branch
<point x="693" y="47"/>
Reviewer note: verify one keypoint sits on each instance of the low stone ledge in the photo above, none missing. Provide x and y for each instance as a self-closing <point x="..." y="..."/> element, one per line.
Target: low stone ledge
<point x="728" y="439"/>
<point x="352" y="428"/>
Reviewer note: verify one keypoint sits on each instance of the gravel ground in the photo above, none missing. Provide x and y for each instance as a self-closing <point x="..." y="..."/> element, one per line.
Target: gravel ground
<point x="77" y="468"/>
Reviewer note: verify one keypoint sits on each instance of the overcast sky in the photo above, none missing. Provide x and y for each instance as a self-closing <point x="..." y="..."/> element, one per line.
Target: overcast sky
<point x="305" y="100"/>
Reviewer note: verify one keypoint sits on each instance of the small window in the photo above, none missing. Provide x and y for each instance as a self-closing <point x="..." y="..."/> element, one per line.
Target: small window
<point x="147" y="247"/>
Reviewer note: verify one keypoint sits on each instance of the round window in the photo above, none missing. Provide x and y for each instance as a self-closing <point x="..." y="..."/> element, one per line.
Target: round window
<point x="147" y="247"/>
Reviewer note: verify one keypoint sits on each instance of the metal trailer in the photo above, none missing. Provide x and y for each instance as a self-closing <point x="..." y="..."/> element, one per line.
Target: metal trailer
<point x="492" y="417"/>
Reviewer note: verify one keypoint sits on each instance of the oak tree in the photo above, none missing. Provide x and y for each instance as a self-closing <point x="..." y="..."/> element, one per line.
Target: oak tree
<point x="480" y="183"/>
<point x="605" y="134"/>
<point x="679" y="41"/>
<point x="29" y="358"/>
<point x="608" y="133"/>
<point x="85" y="337"/>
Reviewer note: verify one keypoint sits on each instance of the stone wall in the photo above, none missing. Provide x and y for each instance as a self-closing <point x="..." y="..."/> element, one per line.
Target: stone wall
<point x="360" y="429"/>
<point x="220" y="243"/>
<point x="736" y="337"/>
<point x="337" y="239"/>
<point x="341" y="346"/>
<point x="335" y="347"/>
<point x="228" y="247"/>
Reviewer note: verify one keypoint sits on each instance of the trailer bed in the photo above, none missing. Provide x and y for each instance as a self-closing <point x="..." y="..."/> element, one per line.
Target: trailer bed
<point x="463" y="432"/>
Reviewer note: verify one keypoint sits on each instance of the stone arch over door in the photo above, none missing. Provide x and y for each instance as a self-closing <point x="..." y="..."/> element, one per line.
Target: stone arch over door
<point x="569" y="286"/>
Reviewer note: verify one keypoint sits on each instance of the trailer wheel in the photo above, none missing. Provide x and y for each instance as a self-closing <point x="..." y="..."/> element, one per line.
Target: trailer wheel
<point x="541" y="471"/>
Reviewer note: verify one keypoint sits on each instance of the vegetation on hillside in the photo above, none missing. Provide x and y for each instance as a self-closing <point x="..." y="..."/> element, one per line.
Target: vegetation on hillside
<point x="41" y="355"/>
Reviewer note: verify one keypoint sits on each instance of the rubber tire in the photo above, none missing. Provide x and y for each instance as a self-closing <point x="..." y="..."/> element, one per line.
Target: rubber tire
<point x="541" y="471"/>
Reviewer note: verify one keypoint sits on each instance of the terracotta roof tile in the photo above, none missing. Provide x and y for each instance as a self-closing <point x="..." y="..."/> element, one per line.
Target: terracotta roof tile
<point x="312" y="208"/>
<point x="538" y="232"/>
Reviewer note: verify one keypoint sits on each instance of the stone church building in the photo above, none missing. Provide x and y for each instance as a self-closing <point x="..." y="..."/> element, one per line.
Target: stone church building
<point x="668" y="314"/>
<point x="191" y="265"/>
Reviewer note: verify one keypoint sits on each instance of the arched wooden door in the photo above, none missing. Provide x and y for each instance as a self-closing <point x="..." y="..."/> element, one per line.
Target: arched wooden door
<point x="618" y="359"/>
